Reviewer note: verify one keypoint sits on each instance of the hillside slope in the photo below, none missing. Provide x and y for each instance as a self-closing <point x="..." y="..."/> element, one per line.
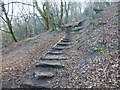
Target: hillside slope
<point x="18" y="58"/>
<point x="96" y="60"/>
<point x="93" y="56"/>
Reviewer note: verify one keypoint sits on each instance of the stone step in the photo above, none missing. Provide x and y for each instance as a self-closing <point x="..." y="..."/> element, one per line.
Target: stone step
<point x="53" y="64"/>
<point x="65" y="40"/>
<point x="63" y="43"/>
<point x="58" y="48"/>
<point x="54" y="57"/>
<point x="43" y="75"/>
<point x="55" y="53"/>
<point x="35" y="83"/>
<point x="32" y="86"/>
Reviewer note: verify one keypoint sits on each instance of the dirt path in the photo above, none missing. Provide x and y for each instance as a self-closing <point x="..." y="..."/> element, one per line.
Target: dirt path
<point x="18" y="60"/>
<point x="80" y="71"/>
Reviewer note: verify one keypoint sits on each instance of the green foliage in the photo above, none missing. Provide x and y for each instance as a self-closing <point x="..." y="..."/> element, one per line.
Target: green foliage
<point x="118" y="10"/>
<point x="94" y="61"/>
<point x="100" y="49"/>
<point x="79" y="46"/>
<point x="73" y="26"/>
<point x="88" y="33"/>
<point x="107" y="3"/>
<point x="54" y="34"/>
<point x="85" y="57"/>
<point x="96" y="23"/>
<point x="78" y="40"/>
<point x="35" y="42"/>
<point x="116" y="46"/>
<point x="88" y="37"/>
<point x="115" y="24"/>
<point x="75" y="30"/>
<point x="80" y="32"/>
<point x="116" y="15"/>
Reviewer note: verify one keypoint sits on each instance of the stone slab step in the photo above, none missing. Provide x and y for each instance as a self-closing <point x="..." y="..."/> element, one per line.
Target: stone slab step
<point x="65" y="40"/>
<point x="53" y="64"/>
<point x="63" y="43"/>
<point x="43" y="75"/>
<point x="55" y="53"/>
<point x="54" y="57"/>
<point x="58" y="48"/>
<point x="32" y="86"/>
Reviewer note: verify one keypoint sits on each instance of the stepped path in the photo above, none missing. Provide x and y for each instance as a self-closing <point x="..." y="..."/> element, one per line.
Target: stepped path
<point x="67" y="60"/>
<point x="47" y="66"/>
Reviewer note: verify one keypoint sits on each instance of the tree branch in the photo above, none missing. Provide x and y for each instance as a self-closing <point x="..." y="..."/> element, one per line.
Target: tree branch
<point x="12" y="12"/>
<point x="5" y="31"/>
<point x="19" y="2"/>
<point x="3" y="18"/>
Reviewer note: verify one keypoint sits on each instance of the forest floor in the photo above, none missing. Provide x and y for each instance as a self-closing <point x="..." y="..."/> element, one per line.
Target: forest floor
<point x="18" y="58"/>
<point x="93" y="56"/>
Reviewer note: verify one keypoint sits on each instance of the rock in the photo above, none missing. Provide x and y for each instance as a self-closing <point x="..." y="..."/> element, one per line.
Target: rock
<point x="54" y="57"/>
<point x="49" y="64"/>
<point x="63" y="43"/>
<point x="65" y="40"/>
<point x="55" y="53"/>
<point x="44" y="75"/>
<point x="58" y="48"/>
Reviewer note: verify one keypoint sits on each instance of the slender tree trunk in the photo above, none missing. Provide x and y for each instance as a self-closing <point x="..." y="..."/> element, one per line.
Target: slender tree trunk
<point x="11" y="31"/>
<point x="9" y="23"/>
<point x="66" y="11"/>
<point x="42" y="13"/>
<point x="61" y="15"/>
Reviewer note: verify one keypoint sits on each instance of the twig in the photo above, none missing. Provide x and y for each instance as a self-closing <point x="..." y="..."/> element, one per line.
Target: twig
<point x="21" y="3"/>
<point x="3" y="18"/>
<point x="4" y="31"/>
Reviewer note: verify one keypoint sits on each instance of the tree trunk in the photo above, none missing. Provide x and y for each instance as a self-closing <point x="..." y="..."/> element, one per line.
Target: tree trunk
<point x="9" y="23"/>
<point x="43" y="15"/>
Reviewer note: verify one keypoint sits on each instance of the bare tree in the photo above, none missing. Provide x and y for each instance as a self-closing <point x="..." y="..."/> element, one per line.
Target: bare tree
<point x="7" y="20"/>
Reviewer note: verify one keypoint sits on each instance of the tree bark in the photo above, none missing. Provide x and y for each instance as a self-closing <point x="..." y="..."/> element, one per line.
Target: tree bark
<point x="8" y="22"/>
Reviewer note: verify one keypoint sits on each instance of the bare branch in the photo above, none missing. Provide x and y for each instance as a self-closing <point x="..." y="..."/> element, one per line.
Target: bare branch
<point x="12" y="12"/>
<point x="5" y="31"/>
<point x="8" y="8"/>
<point x="20" y="2"/>
<point x="3" y="18"/>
